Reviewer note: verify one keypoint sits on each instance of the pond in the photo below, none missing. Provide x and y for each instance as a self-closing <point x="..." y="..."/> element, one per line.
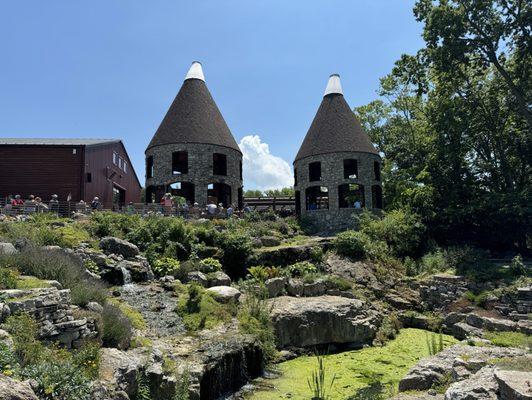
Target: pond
<point x="364" y="369"/>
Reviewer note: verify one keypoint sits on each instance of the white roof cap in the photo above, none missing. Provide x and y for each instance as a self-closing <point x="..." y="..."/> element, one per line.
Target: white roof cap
<point x="195" y="72"/>
<point x="334" y="85"/>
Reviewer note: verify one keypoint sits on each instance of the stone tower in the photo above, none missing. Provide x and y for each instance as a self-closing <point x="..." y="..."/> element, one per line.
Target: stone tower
<point x="193" y="153"/>
<point x="337" y="169"/>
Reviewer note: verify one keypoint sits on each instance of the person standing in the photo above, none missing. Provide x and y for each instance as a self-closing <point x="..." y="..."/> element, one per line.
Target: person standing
<point x="95" y="204"/>
<point x="53" y="204"/>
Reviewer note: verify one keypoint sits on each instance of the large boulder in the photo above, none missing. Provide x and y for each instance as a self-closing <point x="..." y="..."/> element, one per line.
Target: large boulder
<point x="11" y="389"/>
<point x="113" y="245"/>
<point x="480" y="386"/>
<point x="275" y="286"/>
<point x="514" y="385"/>
<point x="218" y="278"/>
<point x="139" y="270"/>
<point x="7" y="249"/>
<point x="301" y="322"/>
<point x="224" y="294"/>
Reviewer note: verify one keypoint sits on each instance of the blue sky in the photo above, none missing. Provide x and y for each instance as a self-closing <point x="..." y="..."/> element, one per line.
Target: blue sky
<point x="111" y="68"/>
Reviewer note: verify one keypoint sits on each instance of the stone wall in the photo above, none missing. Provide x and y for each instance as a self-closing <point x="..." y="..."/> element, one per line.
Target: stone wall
<point x="332" y="175"/>
<point x="51" y="308"/>
<point x="200" y="169"/>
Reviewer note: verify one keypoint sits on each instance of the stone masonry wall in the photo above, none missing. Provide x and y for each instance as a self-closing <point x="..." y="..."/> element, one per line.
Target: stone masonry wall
<point x="200" y="168"/>
<point x="332" y="175"/>
<point x="51" y="308"/>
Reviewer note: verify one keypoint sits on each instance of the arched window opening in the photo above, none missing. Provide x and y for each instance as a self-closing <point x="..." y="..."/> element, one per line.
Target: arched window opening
<point x="351" y="195"/>
<point x="182" y="189"/>
<point x="149" y="167"/>
<point x="179" y="163"/>
<point x="377" y="170"/>
<point x="240" y="198"/>
<point x="376" y="196"/>
<point x="298" y="203"/>
<point x="295" y="176"/>
<point x="314" y="171"/>
<point x="219" y="164"/>
<point x="317" y="198"/>
<point x="350" y="168"/>
<point x="240" y="169"/>
<point x="219" y="193"/>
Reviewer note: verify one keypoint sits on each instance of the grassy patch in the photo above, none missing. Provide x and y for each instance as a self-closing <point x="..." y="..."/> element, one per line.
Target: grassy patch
<point x="509" y="339"/>
<point x="200" y="310"/>
<point x="354" y="370"/>
<point x="134" y="315"/>
<point x="31" y="282"/>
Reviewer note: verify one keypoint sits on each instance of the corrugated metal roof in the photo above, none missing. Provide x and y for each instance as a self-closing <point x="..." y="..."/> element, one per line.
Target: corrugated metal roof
<point x="56" y="142"/>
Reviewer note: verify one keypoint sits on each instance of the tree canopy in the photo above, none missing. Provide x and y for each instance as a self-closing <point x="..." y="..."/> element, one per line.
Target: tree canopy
<point x="454" y="123"/>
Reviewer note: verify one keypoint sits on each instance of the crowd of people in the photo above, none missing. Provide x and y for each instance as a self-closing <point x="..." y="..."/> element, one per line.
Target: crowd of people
<point x="168" y="205"/>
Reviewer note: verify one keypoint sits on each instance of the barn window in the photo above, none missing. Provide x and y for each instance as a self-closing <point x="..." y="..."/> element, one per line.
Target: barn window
<point x="377" y="170"/>
<point x="219" y="164"/>
<point x="350" y="168"/>
<point x="124" y="166"/>
<point x="317" y="198"/>
<point x="350" y="196"/>
<point x="115" y="158"/>
<point x="376" y="196"/>
<point x="179" y="162"/>
<point x="314" y="171"/>
<point x="149" y="167"/>
<point x="89" y="177"/>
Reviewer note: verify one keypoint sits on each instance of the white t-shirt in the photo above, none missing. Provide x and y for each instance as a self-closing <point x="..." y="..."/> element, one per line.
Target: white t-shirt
<point x="211" y="208"/>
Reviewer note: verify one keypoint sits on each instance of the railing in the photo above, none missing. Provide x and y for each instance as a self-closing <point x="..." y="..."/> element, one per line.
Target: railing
<point x="281" y="205"/>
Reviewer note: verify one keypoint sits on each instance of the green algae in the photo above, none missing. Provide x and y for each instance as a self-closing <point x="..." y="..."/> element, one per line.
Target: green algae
<point x="354" y="369"/>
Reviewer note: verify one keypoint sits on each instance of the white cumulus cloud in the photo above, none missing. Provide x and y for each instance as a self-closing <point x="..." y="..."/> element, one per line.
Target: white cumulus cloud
<point x="263" y="170"/>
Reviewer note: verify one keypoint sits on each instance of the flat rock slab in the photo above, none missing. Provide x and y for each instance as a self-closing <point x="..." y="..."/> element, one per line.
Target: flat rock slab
<point x="514" y="385"/>
<point x="302" y="322"/>
<point x="461" y="361"/>
<point x="11" y="389"/>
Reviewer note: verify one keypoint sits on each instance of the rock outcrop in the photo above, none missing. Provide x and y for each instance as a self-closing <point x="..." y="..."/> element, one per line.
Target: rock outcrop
<point x="458" y="361"/>
<point x="224" y="294"/>
<point x="302" y="322"/>
<point x="52" y="310"/>
<point x="11" y="389"/>
<point x="113" y="245"/>
<point x="7" y="249"/>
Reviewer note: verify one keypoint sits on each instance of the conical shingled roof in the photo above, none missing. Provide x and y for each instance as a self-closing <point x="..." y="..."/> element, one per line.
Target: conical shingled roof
<point x="335" y="127"/>
<point x="193" y="116"/>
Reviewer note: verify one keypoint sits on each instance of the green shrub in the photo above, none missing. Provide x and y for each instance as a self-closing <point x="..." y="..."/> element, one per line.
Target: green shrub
<point x="254" y="319"/>
<point x="88" y="359"/>
<point x="140" y="236"/>
<point x="8" y="278"/>
<point x="388" y="330"/>
<point x="412" y="267"/>
<point x="260" y="273"/>
<point x="117" y="328"/>
<point x="401" y="230"/>
<point x="200" y="310"/>
<point x="55" y="265"/>
<point x="91" y="266"/>
<point x="210" y="265"/>
<point x="9" y="365"/>
<point x="339" y="283"/>
<point x="165" y="266"/>
<point x="59" y="380"/>
<point x="237" y="248"/>
<point x="465" y="260"/>
<point x="301" y="269"/>
<point x="134" y="315"/>
<point x="316" y="254"/>
<point x="433" y="262"/>
<point x="517" y="267"/>
<point x="113" y="224"/>
<point x="24" y="329"/>
<point x="351" y="244"/>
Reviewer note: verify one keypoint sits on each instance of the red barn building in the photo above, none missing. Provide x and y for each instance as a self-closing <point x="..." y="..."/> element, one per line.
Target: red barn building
<point x="79" y="168"/>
